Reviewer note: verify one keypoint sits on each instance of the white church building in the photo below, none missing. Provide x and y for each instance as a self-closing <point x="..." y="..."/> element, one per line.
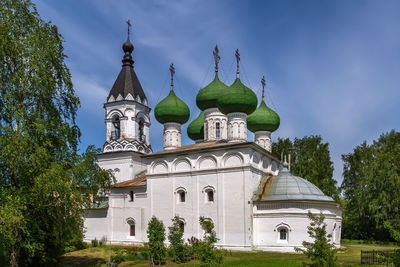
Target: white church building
<point x="248" y="193"/>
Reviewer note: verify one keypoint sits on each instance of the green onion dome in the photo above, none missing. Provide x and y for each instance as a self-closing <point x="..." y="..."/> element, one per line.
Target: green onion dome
<point x="195" y="129"/>
<point x="208" y="96"/>
<point x="263" y="119"/>
<point x="237" y="98"/>
<point x="172" y="109"/>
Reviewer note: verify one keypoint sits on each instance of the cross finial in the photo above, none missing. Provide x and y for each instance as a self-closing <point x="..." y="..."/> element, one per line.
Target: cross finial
<point x="172" y="70"/>
<point x="263" y="86"/>
<point x="216" y="57"/>
<point x="237" y="55"/>
<point x="129" y="27"/>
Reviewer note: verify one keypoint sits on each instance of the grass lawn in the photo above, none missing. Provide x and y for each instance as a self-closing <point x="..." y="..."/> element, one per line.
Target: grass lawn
<point x="350" y="256"/>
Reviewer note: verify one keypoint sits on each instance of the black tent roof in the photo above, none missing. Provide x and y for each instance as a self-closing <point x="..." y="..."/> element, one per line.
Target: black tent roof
<point x="127" y="81"/>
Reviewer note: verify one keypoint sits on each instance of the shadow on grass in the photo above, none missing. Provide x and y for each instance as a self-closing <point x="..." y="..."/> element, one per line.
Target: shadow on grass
<point x="80" y="261"/>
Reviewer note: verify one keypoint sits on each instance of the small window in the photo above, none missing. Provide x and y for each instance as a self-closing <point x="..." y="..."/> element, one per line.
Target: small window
<point x="131" y="223"/>
<point x="141" y="127"/>
<point x="210" y="195"/>
<point x="182" y="196"/>
<point x="117" y="132"/>
<point x="283" y="234"/>
<point x="131" y="196"/>
<point x="217" y="130"/>
<point x="132" y="230"/>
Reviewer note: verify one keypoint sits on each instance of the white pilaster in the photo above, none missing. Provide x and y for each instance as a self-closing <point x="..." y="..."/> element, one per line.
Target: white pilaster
<point x="212" y="117"/>
<point x="172" y="135"/>
<point x="263" y="139"/>
<point x="109" y="127"/>
<point x="237" y="127"/>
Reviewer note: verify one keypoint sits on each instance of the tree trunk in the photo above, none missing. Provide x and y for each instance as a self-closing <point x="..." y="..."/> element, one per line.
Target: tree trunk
<point x="13" y="259"/>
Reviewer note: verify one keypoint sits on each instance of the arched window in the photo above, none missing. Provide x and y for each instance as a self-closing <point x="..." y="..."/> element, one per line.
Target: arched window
<point x="210" y="195"/>
<point x="116" y="134"/>
<point x="182" y="196"/>
<point x="217" y="130"/>
<point x="283" y="234"/>
<point x="141" y="127"/>
<point x="131" y="223"/>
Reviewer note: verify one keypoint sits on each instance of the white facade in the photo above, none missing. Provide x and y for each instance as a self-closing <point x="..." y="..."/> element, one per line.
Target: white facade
<point x="232" y="172"/>
<point x="270" y="219"/>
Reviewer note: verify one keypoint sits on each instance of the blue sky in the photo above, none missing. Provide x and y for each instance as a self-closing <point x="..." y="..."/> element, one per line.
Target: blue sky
<point x="332" y="67"/>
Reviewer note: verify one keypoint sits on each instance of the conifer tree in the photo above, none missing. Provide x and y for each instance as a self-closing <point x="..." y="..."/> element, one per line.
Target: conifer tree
<point x="321" y="251"/>
<point x="155" y="246"/>
<point x="179" y="250"/>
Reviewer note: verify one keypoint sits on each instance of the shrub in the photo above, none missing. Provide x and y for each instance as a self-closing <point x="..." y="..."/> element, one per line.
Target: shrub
<point x="194" y="244"/>
<point x="103" y="241"/>
<point x="95" y="242"/>
<point x="396" y="258"/>
<point x="179" y="251"/>
<point x="207" y="253"/>
<point x="321" y="252"/>
<point x="155" y="246"/>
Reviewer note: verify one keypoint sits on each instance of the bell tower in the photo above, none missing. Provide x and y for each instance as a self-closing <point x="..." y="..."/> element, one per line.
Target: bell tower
<point x="127" y="115"/>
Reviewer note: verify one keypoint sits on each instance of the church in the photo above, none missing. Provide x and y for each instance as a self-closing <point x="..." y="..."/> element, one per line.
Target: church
<point x="249" y="194"/>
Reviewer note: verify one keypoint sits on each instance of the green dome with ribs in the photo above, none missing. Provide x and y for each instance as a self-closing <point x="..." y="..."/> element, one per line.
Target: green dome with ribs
<point x="237" y="98"/>
<point x="172" y="109"/>
<point x="195" y="129"/>
<point x="263" y="119"/>
<point x="208" y="96"/>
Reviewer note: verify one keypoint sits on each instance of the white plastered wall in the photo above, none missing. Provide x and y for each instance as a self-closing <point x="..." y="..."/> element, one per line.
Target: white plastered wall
<point x="123" y="165"/>
<point x="270" y="217"/>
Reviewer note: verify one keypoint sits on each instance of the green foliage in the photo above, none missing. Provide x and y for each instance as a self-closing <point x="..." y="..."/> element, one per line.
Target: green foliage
<point x="310" y="160"/>
<point x="371" y="178"/>
<point x="95" y="242"/>
<point x="396" y="258"/>
<point x="41" y="172"/>
<point x="179" y="251"/>
<point x="205" y="249"/>
<point x="103" y="241"/>
<point x="321" y="252"/>
<point x="155" y="246"/>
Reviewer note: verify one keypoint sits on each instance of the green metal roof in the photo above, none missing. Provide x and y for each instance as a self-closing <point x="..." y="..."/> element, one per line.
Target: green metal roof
<point x="263" y="119"/>
<point x="195" y="129"/>
<point x="172" y="109"/>
<point x="237" y="98"/>
<point x="286" y="186"/>
<point x="208" y="96"/>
